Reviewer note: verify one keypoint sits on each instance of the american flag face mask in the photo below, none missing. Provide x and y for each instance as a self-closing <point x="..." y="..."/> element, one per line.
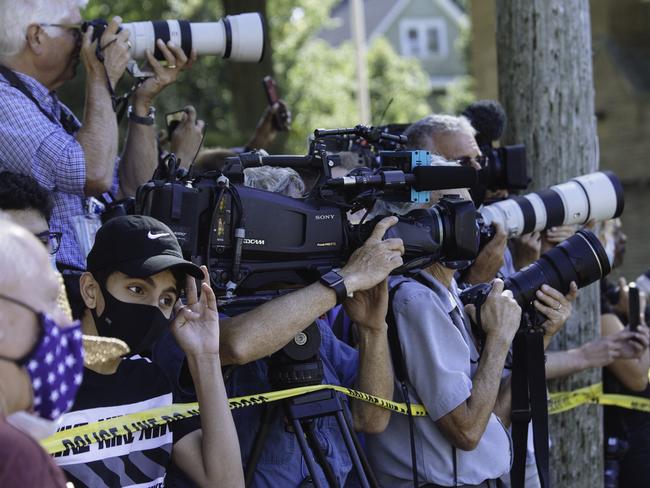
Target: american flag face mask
<point x="54" y="365"/>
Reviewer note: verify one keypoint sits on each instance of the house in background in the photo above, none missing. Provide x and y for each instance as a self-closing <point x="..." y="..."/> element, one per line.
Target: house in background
<point x="428" y="30"/>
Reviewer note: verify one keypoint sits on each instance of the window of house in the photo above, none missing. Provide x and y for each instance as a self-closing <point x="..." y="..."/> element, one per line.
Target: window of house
<point x="423" y="38"/>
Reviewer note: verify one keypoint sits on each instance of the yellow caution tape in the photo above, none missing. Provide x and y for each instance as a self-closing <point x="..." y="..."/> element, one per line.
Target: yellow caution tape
<point x="84" y="435"/>
<point x="563" y="401"/>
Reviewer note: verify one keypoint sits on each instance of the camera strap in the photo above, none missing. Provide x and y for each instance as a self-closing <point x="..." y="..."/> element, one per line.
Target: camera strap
<point x="66" y="120"/>
<point x="401" y="373"/>
<point x="529" y="401"/>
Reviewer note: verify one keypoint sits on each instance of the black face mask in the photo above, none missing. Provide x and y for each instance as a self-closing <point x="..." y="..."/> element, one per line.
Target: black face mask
<point x="137" y="325"/>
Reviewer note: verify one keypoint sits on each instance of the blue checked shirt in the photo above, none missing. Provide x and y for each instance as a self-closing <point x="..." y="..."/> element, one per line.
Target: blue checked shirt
<point x="32" y="144"/>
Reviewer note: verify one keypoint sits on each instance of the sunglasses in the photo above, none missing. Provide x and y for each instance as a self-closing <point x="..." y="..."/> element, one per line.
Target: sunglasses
<point x="51" y="240"/>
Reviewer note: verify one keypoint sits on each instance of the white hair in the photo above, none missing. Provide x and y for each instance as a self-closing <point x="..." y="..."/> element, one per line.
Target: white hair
<point x="421" y="133"/>
<point x="17" y="15"/>
<point x="277" y="180"/>
<point x="382" y="207"/>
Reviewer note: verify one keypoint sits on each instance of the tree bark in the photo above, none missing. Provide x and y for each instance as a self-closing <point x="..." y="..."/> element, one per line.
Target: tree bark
<point x="546" y="87"/>
<point x="245" y="79"/>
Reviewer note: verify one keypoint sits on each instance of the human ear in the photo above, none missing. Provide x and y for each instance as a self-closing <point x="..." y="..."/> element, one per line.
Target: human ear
<point x="35" y="39"/>
<point x="90" y="293"/>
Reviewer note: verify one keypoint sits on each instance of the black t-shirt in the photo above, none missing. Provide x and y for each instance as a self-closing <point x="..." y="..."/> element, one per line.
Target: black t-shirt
<point x="140" y="459"/>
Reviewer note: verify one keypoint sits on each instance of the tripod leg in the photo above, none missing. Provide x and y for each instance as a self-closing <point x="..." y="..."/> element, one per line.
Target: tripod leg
<point x="349" y="443"/>
<point x="306" y="453"/>
<point x="320" y="456"/>
<point x="260" y="441"/>
<point x="364" y="467"/>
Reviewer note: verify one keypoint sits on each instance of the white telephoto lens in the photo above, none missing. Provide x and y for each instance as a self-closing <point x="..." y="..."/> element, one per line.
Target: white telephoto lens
<point x="236" y="37"/>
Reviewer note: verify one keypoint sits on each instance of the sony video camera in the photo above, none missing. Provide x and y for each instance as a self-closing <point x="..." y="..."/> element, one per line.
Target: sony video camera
<point x="253" y="240"/>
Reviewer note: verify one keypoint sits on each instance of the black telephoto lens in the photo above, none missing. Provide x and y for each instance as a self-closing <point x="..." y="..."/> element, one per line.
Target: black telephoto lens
<point x="581" y="258"/>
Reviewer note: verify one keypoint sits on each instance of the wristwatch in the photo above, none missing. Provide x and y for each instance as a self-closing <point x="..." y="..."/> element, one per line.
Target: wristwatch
<point x="150" y="119"/>
<point x="335" y="281"/>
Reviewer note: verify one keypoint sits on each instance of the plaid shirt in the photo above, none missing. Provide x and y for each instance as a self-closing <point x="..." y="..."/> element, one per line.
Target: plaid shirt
<point x="32" y="144"/>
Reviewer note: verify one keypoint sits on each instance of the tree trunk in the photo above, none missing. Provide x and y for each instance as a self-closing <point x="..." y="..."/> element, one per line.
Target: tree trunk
<point x="546" y="87"/>
<point x="245" y="79"/>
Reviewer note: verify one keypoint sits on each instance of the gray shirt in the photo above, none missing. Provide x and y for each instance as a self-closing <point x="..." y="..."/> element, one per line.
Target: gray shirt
<point x="441" y="359"/>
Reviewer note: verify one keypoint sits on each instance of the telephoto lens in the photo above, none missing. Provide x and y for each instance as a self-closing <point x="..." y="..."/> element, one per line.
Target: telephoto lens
<point x="596" y="196"/>
<point x="236" y="37"/>
<point x="581" y="258"/>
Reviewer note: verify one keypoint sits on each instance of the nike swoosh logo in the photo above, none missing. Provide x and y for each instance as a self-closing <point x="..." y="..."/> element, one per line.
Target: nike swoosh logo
<point x="157" y="236"/>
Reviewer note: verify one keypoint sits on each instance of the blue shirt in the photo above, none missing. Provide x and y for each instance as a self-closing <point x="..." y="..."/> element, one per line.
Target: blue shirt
<point x="32" y="144"/>
<point x="441" y="359"/>
<point x="281" y="463"/>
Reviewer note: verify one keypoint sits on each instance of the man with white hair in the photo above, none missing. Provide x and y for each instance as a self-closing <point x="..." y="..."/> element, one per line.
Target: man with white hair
<point x="37" y="344"/>
<point x="453" y="138"/>
<point x="41" y="44"/>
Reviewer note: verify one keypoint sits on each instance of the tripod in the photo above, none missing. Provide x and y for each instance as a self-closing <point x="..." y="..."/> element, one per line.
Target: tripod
<point x="302" y="413"/>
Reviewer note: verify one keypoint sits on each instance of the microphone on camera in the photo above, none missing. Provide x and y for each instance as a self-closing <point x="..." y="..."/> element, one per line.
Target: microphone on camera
<point x="488" y="118"/>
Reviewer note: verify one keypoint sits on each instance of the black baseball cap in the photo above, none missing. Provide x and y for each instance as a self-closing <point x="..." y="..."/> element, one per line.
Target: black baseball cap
<point x="138" y="246"/>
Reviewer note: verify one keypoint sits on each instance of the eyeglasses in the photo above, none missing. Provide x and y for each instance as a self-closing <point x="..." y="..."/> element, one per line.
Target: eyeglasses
<point x="51" y="240"/>
<point x="75" y="28"/>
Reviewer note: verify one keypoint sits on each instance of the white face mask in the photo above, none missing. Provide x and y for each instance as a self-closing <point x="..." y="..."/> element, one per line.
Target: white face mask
<point x="36" y="427"/>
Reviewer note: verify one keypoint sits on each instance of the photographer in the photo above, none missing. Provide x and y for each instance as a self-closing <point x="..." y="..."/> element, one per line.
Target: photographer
<point x="263" y="331"/>
<point x="463" y="440"/>
<point x="41" y="44"/>
<point x="452" y="138"/>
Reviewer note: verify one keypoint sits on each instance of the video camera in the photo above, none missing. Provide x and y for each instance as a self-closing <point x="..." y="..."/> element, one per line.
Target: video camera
<point x="253" y="240"/>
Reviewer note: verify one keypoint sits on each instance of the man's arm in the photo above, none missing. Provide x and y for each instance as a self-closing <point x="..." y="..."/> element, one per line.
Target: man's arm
<point x="594" y="354"/>
<point x="269" y="327"/>
<point x="464" y="426"/>
<point x="210" y="456"/>
<point x="98" y="133"/>
<point x="140" y="155"/>
<point x="368" y="311"/>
